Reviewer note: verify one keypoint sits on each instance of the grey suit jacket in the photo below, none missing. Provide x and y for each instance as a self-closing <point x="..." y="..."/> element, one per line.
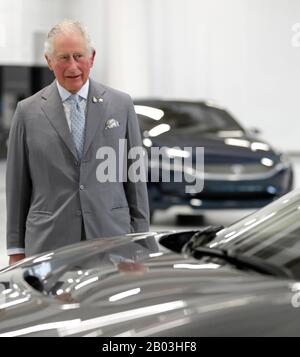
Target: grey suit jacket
<point x="49" y="192"/>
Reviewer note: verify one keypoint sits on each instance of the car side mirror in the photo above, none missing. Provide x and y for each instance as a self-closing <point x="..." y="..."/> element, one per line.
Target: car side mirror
<point x="254" y="131"/>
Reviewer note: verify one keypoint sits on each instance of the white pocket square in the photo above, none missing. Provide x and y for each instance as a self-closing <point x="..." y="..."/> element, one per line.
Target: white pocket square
<point x="111" y="123"/>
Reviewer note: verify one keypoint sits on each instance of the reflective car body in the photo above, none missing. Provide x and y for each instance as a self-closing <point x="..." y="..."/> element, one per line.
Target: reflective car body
<point x="238" y="281"/>
<point x="240" y="169"/>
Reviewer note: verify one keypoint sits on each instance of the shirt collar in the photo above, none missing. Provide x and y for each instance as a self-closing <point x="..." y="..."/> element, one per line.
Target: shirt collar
<point x="83" y="92"/>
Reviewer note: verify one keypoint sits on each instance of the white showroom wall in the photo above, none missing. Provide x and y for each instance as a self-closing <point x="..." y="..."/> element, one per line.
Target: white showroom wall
<point x="236" y="52"/>
<point x="22" y="23"/>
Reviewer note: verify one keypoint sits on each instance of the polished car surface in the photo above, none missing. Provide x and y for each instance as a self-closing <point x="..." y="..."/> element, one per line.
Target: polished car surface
<point x="237" y="281"/>
<point x="240" y="169"/>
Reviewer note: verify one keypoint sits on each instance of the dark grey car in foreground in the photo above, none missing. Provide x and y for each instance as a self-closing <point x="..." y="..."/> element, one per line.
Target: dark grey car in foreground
<point x="238" y="281"/>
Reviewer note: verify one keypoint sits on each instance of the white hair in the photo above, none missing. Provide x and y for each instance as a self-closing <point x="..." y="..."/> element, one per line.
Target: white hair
<point x="66" y="26"/>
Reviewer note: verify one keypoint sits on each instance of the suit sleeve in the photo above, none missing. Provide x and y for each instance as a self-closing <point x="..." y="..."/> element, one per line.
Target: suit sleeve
<point x="18" y="183"/>
<point x="136" y="192"/>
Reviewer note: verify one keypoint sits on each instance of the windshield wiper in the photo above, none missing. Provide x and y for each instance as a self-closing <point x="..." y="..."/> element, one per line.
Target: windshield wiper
<point x="201" y="238"/>
<point x="196" y="248"/>
<point x="241" y="261"/>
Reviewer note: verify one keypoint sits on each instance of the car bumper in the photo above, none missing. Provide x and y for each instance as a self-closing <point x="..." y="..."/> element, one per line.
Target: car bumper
<point x="222" y="194"/>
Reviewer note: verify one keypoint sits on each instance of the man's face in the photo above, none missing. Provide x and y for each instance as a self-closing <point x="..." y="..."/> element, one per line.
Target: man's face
<point x="71" y="61"/>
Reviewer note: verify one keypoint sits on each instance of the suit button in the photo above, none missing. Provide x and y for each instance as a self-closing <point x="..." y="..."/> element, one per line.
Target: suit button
<point x="76" y="163"/>
<point x="81" y="187"/>
<point x="78" y="213"/>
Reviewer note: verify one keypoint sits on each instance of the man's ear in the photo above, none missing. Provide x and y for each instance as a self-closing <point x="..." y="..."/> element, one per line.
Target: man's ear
<point x="92" y="58"/>
<point x="48" y="59"/>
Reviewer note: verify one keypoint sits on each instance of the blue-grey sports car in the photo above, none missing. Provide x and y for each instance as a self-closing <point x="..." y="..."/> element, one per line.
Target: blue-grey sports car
<point x="240" y="169"/>
<point x="237" y="281"/>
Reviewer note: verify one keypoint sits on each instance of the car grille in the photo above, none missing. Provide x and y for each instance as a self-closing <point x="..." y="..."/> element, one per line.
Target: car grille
<point x="238" y="169"/>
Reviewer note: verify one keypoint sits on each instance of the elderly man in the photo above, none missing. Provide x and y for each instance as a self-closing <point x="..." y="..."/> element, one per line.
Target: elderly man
<point x="54" y="197"/>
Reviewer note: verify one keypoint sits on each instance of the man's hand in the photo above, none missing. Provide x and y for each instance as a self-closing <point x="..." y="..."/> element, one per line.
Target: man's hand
<point x="15" y="258"/>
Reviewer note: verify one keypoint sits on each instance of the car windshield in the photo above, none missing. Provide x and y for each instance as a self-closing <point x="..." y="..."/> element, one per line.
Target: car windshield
<point x="271" y="234"/>
<point x="184" y="116"/>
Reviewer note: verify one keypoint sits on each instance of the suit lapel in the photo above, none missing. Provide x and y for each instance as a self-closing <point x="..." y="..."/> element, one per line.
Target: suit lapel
<point x="54" y="111"/>
<point x="95" y="113"/>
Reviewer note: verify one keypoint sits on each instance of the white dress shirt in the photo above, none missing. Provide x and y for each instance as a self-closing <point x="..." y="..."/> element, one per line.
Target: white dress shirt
<point x="64" y="94"/>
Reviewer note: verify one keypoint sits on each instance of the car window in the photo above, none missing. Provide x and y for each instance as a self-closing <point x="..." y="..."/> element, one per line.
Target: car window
<point x="185" y="116"/>
<point x="222" y="120"/>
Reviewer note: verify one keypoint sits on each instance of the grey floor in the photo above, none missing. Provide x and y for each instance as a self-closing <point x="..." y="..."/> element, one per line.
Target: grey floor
<point x="175" y="218"/>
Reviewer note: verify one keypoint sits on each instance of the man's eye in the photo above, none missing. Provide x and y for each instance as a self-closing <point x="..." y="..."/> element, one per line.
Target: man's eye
<point x="77" y="56"/>
<point x="64" y="58"/>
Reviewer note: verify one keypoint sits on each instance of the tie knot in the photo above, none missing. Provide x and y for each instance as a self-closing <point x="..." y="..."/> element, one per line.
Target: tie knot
<point x="74" y="98"/>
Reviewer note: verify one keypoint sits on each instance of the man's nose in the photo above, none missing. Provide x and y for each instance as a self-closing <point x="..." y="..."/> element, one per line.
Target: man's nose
<point x="72" y="63"/>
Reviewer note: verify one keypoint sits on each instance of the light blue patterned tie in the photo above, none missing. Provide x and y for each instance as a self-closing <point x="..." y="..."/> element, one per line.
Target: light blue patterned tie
<point x="77" y="118"/>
